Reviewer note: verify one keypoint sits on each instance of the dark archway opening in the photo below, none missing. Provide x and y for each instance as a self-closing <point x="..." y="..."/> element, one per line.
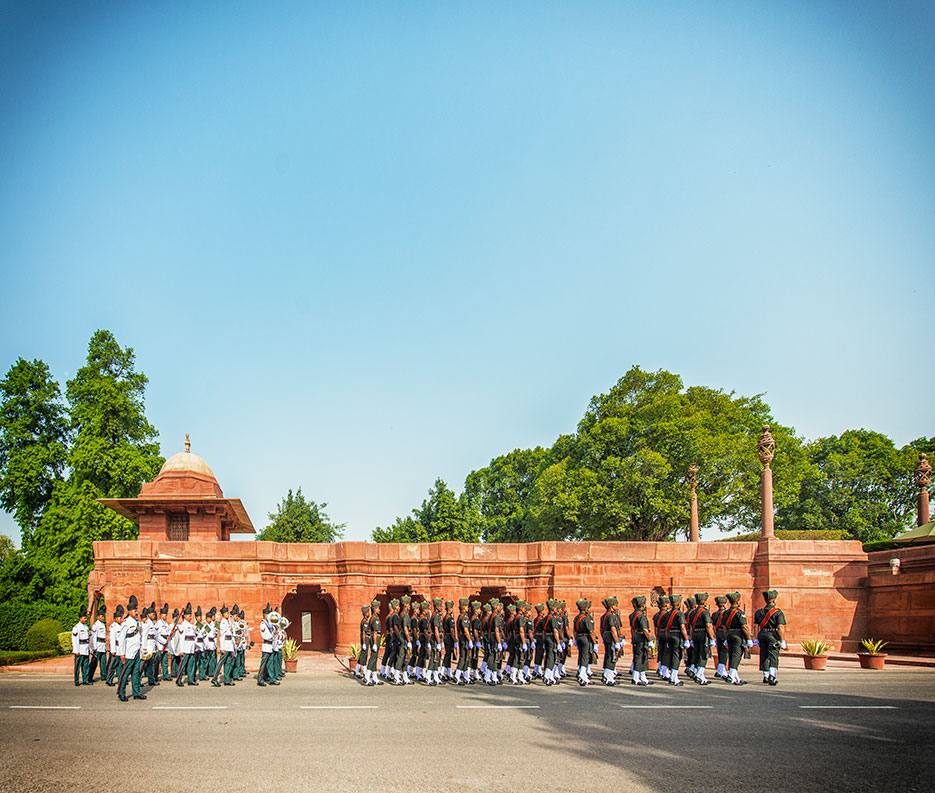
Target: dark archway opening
<point x="488" y="592"/>
<point x="394" y="591"/>
<point x="312" y="617"/>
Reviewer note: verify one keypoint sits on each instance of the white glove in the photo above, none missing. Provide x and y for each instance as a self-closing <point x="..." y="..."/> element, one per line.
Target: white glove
<point x="524" y="648"/>
<point x="756" y="642"/>
<point x="374" y="648"/>
<point x="503" y="647"/>
<point x="782" y="645"/>
<point x="749" y="643"/>
<point x="571" y="642"/>
<point x="688" y="643"/>
<point x="561" y="647"/>
<point x="712" y="643"/>
<point x="408" y="645"/>
<point x="471" y="644"/>
<point x="533" y="644"/>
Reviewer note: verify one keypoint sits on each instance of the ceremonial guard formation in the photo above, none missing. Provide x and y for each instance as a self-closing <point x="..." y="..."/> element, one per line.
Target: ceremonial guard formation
<point x="435" y="644"/>
<point x="145" y="645"/>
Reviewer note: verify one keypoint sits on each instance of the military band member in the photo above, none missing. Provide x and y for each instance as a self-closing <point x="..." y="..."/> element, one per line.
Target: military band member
<point x="226" y="646"/>
<point x="162" y="641"/>
<point x="375" y="634"/>
<point x="720" y="636"/>
<point x="642" y="640"/>
<point x="738" y="637"/>
<point x="243" y="644"/>
<point x="364" y="634"/>
<point x="174" y="646"/>
<point x="187" y="649"/>
<point x="771" y="636"/>
<point x="211" y="645"/>
<point x="701" y="630"/>
<point x="131" y="653"/>
<point x="264" y="674"/>
<point x="99" y="644"/>
<point x="81" y="648"/>
<point x="610" y="634"/>
<point x="115" y="641"/>
<point x="148" y="644"/>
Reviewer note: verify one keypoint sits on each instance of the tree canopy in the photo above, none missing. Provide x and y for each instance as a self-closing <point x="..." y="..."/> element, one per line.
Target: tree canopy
<point x="298" y="520"/>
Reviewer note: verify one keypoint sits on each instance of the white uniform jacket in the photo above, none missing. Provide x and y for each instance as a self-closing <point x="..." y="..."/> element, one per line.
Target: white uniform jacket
<point x="80" y="639"/>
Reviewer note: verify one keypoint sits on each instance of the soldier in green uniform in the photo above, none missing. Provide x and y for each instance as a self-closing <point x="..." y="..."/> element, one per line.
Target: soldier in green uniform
<point x="448" y="640"/>
<point x="771" y="636"/>
<point x="364" y="634"/>
<point x="389" y="632"/>
<point x="373" y="679"/>
<point x="528" y="638"/>
<point x="676" y="638"/>
<point x="641" y="639"/>
<point x="422" y="658"/>
<point x="497" y="642"/>
<point x="553" y="638"/>
<point x="539" y="639"/>
<point x="583" y="628"/>
<point x="464" y="643"/>
<point x="476" y="638"/>
<point x="611" y="637"/>
<point x="663" y="607"/>
<point x="512" y="646"/>
<point x="688" y="606"/>
<point x="404" y="649"/>
<point x="738" y="637"/>
<point x="701" y="630"/>
<point x="435" y="638"/>
<point x="720" y="636"/>
<point x="485" y="640"/>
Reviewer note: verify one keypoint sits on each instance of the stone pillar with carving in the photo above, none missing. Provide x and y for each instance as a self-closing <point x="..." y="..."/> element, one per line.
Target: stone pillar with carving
<point x="766" y="450"/>
<point x="693" y="482"/>
<point x="923" y="478"/>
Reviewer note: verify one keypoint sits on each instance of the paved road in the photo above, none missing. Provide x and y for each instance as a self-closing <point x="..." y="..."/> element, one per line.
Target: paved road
<point x="838" y="730"/>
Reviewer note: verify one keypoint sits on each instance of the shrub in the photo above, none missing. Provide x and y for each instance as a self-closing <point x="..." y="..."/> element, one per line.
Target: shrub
<point x="22" y="656"/>
<point x="872" y="646"/>
<point x="791" y="534"/>
<point x="16" y="616"/>
<point x="815" y="647"/>
<point x="64" y="642"/>
<point x="44" y="635"/>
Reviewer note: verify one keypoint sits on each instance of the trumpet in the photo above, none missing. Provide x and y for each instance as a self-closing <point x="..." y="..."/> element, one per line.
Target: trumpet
<point x="274" y="618"/>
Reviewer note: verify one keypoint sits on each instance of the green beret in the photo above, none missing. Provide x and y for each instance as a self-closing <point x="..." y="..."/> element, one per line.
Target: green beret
<point x="701" y="597"/>
<point x="365" y="609"/>
<point x="407" y="599"/>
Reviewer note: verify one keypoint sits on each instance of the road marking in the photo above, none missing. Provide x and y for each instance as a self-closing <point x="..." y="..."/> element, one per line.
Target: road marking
<point x="495" y="707"/>
<point x="338" y="707"/>
<point x="189" y="707"/>
<point x="45" y="707"/>
<point x="681" y="707"/>
<point x="848" y="707"/>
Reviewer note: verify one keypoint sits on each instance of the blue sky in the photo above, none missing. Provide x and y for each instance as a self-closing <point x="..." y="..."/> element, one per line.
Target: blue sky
<point x="357" y="246"/>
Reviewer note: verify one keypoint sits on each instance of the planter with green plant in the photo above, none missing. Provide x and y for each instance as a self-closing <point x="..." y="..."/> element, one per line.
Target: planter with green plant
<point x="816" y="653"/>
<point x="872" y="656"/>
<point x="290" y="655"/>
<point x="353" y="655"/>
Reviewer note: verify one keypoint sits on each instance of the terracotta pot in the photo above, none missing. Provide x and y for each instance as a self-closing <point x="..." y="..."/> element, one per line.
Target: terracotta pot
<point x="352" y="663"/>
<point x="871" y="661"/>
<point x="291" y="664"/>
<point x="815" y="661"/>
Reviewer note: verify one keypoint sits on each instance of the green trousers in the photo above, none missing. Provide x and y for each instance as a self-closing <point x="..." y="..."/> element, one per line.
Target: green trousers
<point x="131" y="671"/>
<point x="82" y="668"/>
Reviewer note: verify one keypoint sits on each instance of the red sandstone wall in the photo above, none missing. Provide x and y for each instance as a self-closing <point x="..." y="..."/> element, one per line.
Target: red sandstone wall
<point x="821" y="583"/>
<point x="902" y="606"/>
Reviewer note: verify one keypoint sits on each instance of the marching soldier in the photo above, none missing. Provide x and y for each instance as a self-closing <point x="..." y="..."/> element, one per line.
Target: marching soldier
<point x="265" y="674"/>
<point x="641" y="640"/>
<point x="553" y="638"/>
<point x="529" y="642"/>
<point x="389" y="650"/>
<point x="371" y="673"/>
<point x="186" y="649"/>
<point x="211" y="645"/>
<point x="162" y="641"/>
<point x="115" y="640"/>
<point x="199" y="648"/>
<point x="422" y="658"/>
<point x="663" y="607"/>
<point x="771" y="636"/>
<point x="435" y="637"/>
<point x="584" y="639"/>
<point x="676" y="636"/>
<point x="226" y="646"/>
<point x="364" y="634"/>
<point x="99" y="644"/>
<point x="448" y="639"/>
<point x="539" y="640"/>
<point x="701" y="630"/>
<point x="174" y="645"/>
<point x="610" y="635"/>
<point x="148" y="645"/>
<point x="404" y="643"/>
<point x="464" y="643"/>
<point x="738" y="637"/>
<point x="720" y="637"/>
<point x="81" y="648"/>
<point x="475" y="643"/>
<point x="131" y="654"/>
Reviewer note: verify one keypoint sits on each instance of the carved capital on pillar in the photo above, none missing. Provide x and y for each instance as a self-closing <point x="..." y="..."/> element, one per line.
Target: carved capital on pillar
<point x="692" y="476"/>
<point x="923" y="472"/>
<point x="766" y="447"/>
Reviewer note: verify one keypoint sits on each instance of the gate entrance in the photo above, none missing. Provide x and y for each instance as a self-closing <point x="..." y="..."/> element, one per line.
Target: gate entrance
<point x="312" y="617"/>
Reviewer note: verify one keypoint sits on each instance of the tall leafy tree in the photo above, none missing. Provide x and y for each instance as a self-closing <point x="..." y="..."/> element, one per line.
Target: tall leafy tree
<point x="298" y="520"/>
<point x="406" y="529"/>
<point x="501" y="493"/>
<point x="859" y="483"/>
<point x="442" y="516"/>
<point x="33" y="441"/>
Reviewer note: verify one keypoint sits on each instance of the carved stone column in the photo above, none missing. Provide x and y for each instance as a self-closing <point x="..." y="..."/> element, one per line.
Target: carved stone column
<point x="766" y="450"/>
<point x="693" y="481"/>
<point x="923" y="478"/>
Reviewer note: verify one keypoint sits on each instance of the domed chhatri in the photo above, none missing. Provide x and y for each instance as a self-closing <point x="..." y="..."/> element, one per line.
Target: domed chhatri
<point x="184" y="502"/>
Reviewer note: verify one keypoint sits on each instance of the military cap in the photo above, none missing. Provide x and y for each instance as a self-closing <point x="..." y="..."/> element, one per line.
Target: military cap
<point x="165" y="609"/>
<point x="364" y="609"/>
<point x="394" y="603"/>
<point x="223" y="609"/>
<point x="720" y="599"/>
<point x="198" y="610"/>
<point x="561" y="604"/>
<point x="606" y="603"/>
<point x="511" y="608"/>
<point x="188" y="609"/>
<point x="118" y="612"/>
<point x="475" y="603"/>
<point x="639" y="601"/>
<point x="550" y="603"/>
<point x="175" y="613"/>
<point x="733" y="597"/>
<point x="663" y="599"/>
<point x="673" y="599"/>
<point x="211" y="613"/>
<point x="82" y="612"/>
<point x="375" y="604"/>
<point x="462" y="601"/>
<point x="771" y="594"/>
<point x="690" y="602"/>
<point x="133" y="604"/>
<point x="266" y="608"/>
<point x="437" y="601"/>
<point x="102" y="609"/>
<point x="449" y="604"/>
<point x="540" y="607"/>
<point x="406" y="600"/>
<point x="488" y="607"/>
<point x="613" y="601"/>
<point x="235" y="609"/>
<point x="701" y="597"/>
<point x="582" y="604"/>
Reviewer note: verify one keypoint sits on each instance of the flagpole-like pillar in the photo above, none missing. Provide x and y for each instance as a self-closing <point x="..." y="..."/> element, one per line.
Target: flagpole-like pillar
<point x="766" y="450"/>
<point x="693" y="481"/>
<point x="923" y="478"/>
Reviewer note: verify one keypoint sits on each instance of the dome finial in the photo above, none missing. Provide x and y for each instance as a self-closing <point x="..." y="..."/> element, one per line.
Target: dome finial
<point x="188" y="444"/>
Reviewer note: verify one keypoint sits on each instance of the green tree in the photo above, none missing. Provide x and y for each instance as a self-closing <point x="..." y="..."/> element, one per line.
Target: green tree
<point x="501" y="494"/>
<point x="859" y="483"/>
<point x="442" y="515"/>
<point x="7" y="549"/>
<point x="298" y="520"/>
<point x="406" y="529"/>
<point x="33" y="441"/>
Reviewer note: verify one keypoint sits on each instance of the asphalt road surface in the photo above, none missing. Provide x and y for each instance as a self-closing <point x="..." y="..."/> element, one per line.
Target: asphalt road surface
<point x="838" y="730"/>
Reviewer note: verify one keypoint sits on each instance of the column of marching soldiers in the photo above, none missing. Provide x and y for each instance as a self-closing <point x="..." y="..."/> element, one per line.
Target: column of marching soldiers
<point x="520" y="643"/>
<point x="186" y="648"/>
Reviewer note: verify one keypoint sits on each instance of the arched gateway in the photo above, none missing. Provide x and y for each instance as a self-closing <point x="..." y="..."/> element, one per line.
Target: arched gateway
<point x="185" y="553"/>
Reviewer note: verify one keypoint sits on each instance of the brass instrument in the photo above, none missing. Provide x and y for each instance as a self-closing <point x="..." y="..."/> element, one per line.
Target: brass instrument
<point x="283" y="623"/>
<point x="274" y="618"/>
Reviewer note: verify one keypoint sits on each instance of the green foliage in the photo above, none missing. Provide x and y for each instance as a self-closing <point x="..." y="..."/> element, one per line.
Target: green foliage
<point x="872" y="646"/>
<point x="290" y="650"/>
<point x="501" y="494"/>
<point x="791" y="534"/>
<point x="815" y="647"/>
<point x="64" y="641"/>
<point x="9" y="658"/>
<point x="441" y="517"/>
<point x="7" y="549"/>
<point x="17" y="616"/>
<point x="44" y="635"/>
<point x="33" y="441"/>
<point x="858" y="483"/>
<point x="298" y="520"/>
<point x="406" y="529"/>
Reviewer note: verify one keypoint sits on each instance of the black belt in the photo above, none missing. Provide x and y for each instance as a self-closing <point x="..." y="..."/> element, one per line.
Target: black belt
<point x="83" y="641"/>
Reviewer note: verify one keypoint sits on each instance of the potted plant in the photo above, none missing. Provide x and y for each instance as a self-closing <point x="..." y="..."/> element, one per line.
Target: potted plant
<point x="816" y="653"/>
<point x="290" y="654"/>
<point x="871" y="657"/>
<point x="354" y="654"/>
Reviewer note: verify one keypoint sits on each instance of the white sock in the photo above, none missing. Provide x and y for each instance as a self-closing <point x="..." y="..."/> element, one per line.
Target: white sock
<point x="773" y="671"/>
<point x="701" y="676"/>
<point x="483" y="667"/>
<point x="526" y="670"/>
<point x="675" y="676"/>
<point x="635" y="676"/>
<point x="721" y="670"/>
<point x="734" y="676"/>
<point x="643" y="677"/>
<point x="366" y="674"/>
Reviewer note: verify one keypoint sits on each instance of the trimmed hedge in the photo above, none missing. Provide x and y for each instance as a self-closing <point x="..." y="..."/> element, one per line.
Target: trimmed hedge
<point x="22" y="656"/>
<point x="64" y="642"/>
<point x="17" y="617"/>
<point x="791" y="534"/>
<point x="44" y="635"/>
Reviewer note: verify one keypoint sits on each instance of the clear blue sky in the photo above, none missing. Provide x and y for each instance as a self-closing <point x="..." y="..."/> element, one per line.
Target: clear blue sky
<point x="357" y="246"/>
